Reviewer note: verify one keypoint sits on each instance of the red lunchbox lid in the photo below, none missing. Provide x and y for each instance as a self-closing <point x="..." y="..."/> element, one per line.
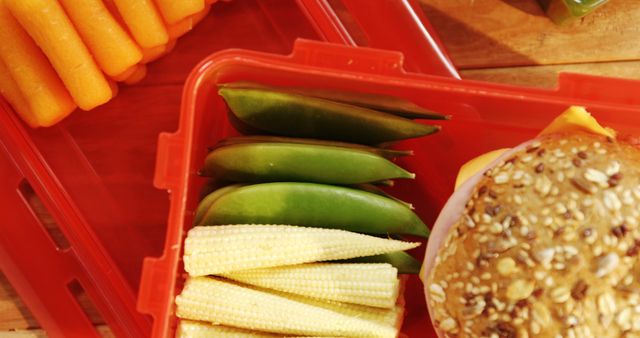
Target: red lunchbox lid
<point x="93" y="173"/>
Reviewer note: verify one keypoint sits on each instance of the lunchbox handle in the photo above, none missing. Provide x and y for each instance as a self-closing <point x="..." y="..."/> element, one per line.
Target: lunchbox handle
<point x="345" y="58"/>
<point x="168" y="161"/>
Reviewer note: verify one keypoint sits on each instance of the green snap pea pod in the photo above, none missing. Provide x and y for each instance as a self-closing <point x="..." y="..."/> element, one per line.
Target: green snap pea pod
<point x="389" y="104"/>
<point x="205" y="203"/>
<point x="376" y="190"/>
<point x="209" y="187"/>
<point x="384" y="152"/>
<point x="384" y="183"/>
<point x="314" y="205"/>
<point x="404" y="262"/>
<point x="271" y="162"/>
<point x="300" y="116"/>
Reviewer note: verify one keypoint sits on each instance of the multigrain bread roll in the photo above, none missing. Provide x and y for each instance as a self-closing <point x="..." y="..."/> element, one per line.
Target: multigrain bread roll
<point x="543" y="244"/>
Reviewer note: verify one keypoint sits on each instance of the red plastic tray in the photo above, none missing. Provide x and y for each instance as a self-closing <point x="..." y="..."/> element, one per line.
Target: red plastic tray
<point x="485" y="117"/>
<point x="93" y="173"/>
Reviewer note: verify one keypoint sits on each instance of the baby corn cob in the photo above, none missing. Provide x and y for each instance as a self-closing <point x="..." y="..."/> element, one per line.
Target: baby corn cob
<point x="390" y="317"/>
<point x="221" y="249"/>
<point x="366" y="284"/>
<point x="191" y="329"/>
<point x="220" y="302"/>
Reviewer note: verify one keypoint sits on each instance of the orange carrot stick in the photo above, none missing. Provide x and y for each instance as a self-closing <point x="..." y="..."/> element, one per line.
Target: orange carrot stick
<point x="111" y="46"/>
<point x="170" y="46"/>
<point x="137" y="76"/>
<point x="114" y="88"/>
<point x="173" y="11"/>
<point x="46" y="97"/>
<point x="10" y="91"/>
<point x="144" y="22"/>
<point x="49" y="26"/>
<point x="111" y="6"/>
<point x="179" y="29"/>
<point x="200" y="16"/>
<point x="124" y="75"/>
<point x="152" y="54"/>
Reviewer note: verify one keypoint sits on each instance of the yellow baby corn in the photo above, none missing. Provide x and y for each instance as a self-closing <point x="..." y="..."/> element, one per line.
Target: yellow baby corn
<point x="211" y="250"/>
<point x="220" y="302"/>
<point x="365" y="284"/>
<point x="390" y="317"/>
<point x="191" y="329"/>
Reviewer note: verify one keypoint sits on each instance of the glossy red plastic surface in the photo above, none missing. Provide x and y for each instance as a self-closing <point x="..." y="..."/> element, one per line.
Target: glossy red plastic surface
<point x="94" y="172"/>
<point x="485" y="117"/>
<point x="397" y="25"/>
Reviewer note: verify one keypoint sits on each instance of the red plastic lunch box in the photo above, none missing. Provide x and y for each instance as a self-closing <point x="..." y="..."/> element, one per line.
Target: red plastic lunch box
<point x="92" y="174"/>
<point x="484" y="117"/>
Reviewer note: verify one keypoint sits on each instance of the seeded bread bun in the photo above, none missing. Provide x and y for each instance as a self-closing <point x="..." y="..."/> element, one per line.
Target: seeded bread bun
<point x="545" y="243"/>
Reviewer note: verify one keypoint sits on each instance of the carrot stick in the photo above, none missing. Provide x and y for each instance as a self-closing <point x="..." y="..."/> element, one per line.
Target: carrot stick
<point x="48" y="25"/>
<point x="122" y="76"/>
<point x="173" y="11"/>
<point x="114" y="88"/>
<point x="152" y="54"/>
<point x="46" y="97"/>
<point x="129" y="73"/>
<point x="10" y="91"/>
<point x="111" y="6"/>
<point x="111" y="46"/>
<point x="170" y="46"/>
<point x="179" y="29"/>
<point x="137" y="76"/>
<point x="144" y="22"/>
<point x="199" y="16"/>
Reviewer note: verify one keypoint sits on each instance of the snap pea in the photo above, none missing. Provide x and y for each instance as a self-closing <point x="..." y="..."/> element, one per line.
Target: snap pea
<point x="314" y="205"/>
<point x="205" y="203"/>
<point x="384" y="152"/>
<point x="389" y="104"/>
<point x="376" y="190"/>
<point x="208" y="187"/>
<point x="300" y="116"/>
<point x="401" y="260"/>
<point x="271" y="162"/>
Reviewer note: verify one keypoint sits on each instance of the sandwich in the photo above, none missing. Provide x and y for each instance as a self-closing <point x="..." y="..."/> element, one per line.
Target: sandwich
<point x="541" y="240"/>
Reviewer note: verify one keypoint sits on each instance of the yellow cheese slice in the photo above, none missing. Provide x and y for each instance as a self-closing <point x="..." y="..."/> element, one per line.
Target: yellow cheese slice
<point x="472" y="167"/>
<point x="577" y="119"/>
<point x="573" y="119"/>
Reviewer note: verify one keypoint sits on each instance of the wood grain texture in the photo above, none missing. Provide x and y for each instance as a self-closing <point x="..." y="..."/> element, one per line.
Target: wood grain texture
<point x="37" y="333"/>
<point x="498" y="33"/>
<point x="547" y="76"/>
<point x="15" y="318"/>
<point x="13" y="313"/>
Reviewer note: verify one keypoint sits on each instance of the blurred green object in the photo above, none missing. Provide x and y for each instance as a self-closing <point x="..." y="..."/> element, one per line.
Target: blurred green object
<point x="563" y="11"/>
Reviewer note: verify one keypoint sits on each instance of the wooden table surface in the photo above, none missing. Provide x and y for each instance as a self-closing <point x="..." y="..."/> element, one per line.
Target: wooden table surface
<point x="506" y="41"/>
<point x="512" y="41"/>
